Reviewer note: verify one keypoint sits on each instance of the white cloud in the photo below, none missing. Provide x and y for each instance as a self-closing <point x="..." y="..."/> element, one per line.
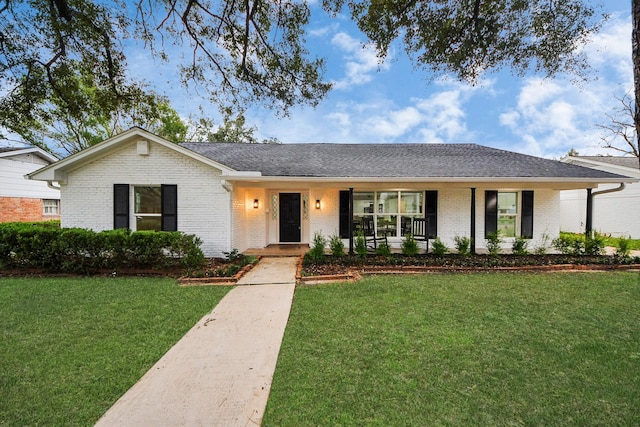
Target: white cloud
<point x="552" y="116"/>
<point x="361" y="61"/>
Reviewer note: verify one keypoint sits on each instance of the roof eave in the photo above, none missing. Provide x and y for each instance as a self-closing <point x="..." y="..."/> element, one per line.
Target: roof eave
<point x="595" y="181"/>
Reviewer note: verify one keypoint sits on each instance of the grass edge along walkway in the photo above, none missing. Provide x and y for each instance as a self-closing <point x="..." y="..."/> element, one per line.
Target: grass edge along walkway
<point x="462" y="349"/>
<point x="72" y="346"/>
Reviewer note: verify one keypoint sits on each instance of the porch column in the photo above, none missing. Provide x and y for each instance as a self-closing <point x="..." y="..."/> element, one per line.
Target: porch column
<point x="473" y="221"/>
<point x="589" y="221"/>
<point x="350" y="221"/>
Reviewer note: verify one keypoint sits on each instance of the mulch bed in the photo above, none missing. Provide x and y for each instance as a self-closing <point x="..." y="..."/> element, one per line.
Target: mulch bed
<point x="351" y="268"/>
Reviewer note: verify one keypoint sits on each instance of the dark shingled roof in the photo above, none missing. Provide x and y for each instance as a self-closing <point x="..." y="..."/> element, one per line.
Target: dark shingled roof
<point x="387" y="161"/>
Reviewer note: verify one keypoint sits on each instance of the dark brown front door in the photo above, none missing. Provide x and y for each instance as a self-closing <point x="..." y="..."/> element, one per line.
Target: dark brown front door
<point x="290" y="217"/>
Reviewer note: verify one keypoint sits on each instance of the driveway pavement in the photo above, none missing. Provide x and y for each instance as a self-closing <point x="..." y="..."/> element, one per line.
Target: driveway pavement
<point x="220" y="372"/>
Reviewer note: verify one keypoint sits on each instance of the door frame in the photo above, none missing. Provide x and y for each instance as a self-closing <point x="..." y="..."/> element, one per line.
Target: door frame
<point x="297" y="217"/>
<point x="273" y="229"/>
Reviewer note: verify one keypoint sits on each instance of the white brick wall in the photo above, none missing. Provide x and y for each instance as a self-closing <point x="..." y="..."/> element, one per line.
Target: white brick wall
<point x="225" y="221"/>
<point x="203" y="204"/>
<point x="326" y="219"/>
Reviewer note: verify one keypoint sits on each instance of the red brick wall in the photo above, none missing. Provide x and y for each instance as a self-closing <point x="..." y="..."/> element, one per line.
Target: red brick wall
<point x="22" y="209"/>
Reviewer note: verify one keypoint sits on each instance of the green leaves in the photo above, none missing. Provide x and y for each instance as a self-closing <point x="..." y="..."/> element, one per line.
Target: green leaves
<point x="467" y="38"/>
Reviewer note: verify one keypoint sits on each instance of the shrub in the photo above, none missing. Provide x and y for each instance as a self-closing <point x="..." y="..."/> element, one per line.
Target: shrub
<point x="360" y="245"/>
<point x="569" y="244"/>
<point x="438" y="248"/>
<point x="594" y="245"/>
<point x="494" y="240"/>
<point x="383" y="249"/>
<point x="462" y="244"/>
<point x="409" y="245"/>
<point x="233" y="255"/>
<point x="337" y="246"/>
<point x="623" y="248"/>
<point x="519" y="246"/>
<point x="317" y="251"/>
<point x="542" y="249"/>
<point x="74" y="250"/>
<point x="578" y="244"/>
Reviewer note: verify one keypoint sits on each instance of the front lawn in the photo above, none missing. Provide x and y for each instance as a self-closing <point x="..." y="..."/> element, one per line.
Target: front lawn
<point x="72" y="346"/>
<point x="465" y="349"/>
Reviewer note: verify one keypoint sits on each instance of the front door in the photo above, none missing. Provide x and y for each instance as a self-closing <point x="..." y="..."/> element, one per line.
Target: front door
<point x="290" y="217"/>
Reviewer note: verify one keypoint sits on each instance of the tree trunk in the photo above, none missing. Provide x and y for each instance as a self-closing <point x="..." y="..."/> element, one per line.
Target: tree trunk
<point x="635" y="49"/>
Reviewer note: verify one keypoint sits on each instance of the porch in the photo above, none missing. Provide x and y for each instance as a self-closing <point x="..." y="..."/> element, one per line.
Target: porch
<point x="277" y="250"/>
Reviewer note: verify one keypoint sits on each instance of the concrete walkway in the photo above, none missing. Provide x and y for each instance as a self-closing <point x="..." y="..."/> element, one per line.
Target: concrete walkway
<point x="220" y="372"/>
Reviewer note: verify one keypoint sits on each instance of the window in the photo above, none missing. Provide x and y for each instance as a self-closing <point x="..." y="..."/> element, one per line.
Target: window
<point x="392" y="212"/>
<point x="51" y="207"/>
<point x="155" y="207"/>
<point x="508" y="214"/>
<point x="147" y="208"/>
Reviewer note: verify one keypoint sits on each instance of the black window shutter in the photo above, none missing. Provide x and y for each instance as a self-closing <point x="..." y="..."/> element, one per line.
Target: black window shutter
<point x="431" y="213"/>
<point x="527" y="215"/>
<point x="344" y="215"/>
<point x="490" y="212"/>
<point x="169" y="207"/>
<point x="120" y="206"/>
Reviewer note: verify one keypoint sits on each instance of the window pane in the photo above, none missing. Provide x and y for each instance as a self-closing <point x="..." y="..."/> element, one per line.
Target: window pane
<point x="362" y="203"/>
<point x="411" y="202"/>
<point x="388" y="202"/>
<point x="147" y="200"/>
<point x="508" y="203"/>
<point x="51" y="206"/>
<point x="507" y="226"/>
<point x="148" y="223"/>
<point x="387" y="225"/>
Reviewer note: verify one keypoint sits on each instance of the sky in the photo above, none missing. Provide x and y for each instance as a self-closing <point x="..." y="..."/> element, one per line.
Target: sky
<point x="393" y="102"/>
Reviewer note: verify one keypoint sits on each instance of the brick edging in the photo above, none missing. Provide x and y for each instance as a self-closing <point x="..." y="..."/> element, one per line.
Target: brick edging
<point x="356" y="274"/>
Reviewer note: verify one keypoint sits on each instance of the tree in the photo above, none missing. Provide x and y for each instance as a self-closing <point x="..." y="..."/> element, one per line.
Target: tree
<point x="254" y="50"/>
<point x="232" y="129"/>
<point x="241" y="51"/>
<point x="573" y="152"/>
<point x="621" y="134"/>
<point x="73" y="132"/>
<point x="635" y="54"/>
<point x="467" y="38"/>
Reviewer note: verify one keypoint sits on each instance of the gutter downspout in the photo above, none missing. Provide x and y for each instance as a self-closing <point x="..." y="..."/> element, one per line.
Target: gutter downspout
<point x="51" y="186"/>
<point x="590" y="195"/>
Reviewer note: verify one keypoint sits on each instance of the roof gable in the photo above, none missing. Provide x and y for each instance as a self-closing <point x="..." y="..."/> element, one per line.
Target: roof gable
<point x="19" y="153"/>
<point x="58" y="170"/>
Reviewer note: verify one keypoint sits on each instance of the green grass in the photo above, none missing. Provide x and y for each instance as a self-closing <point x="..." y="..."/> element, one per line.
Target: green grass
<point x="457" y="350"/>
<point x="634" y="244"/>
<point x="72" y="346"/>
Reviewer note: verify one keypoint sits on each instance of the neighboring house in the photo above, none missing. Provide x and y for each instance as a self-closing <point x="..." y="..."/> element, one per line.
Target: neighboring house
<point x="252" y="195"/>
<point x="614" y="213"/>
<point x="20" y="198"/>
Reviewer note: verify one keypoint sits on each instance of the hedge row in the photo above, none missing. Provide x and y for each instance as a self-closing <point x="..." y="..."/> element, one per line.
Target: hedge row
<point x="48" y="247"/>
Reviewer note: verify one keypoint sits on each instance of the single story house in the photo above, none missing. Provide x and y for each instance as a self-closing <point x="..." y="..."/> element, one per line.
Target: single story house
<point x="241" y="196"/>
<point x="615" y="209"/>
<point x="21" y="199"/>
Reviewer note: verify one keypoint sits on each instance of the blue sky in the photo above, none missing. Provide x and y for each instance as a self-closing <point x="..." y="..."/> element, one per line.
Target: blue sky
<point x="393" y="102"/>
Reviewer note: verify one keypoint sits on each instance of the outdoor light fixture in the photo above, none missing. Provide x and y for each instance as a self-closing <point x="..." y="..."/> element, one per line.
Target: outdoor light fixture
<point x="317" y="203"/>
<point x="255" y="204"/>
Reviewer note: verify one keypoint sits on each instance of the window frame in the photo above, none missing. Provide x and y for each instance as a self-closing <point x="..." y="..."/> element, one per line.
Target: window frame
<point x="517" y="216"/>
<point x="56" y="206"/>
<point x="138" y="216"/>
<point x="378" y="210"/>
